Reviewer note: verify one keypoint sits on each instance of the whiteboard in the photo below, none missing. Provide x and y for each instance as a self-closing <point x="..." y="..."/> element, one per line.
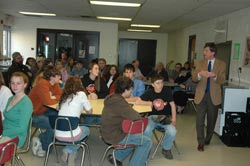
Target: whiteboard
<point x="235" y="100"/>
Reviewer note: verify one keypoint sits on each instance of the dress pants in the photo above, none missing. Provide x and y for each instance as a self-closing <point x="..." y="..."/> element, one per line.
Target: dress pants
<point x="206" y="107"/>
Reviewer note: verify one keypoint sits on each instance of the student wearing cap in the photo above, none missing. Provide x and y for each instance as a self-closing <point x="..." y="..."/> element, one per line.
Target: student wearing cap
<point x="17" y="66"/>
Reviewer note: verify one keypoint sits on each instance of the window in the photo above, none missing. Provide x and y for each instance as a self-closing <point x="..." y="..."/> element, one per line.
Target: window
<point x="6" y="40"/>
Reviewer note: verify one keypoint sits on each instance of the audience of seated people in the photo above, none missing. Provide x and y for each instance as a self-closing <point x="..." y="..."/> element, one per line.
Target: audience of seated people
<point x="116" y="109"/>
<point x="18" y="110"/>
<point x="111" y="76"/>
<point x="96" y="83"/>
<point x="71" y="104"/>
<point x="46" y="92"/>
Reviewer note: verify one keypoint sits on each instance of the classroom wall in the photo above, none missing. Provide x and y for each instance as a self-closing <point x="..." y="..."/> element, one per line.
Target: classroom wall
<point x="238" y="30"/>
<point x="162" y="40"/>
<point x="24" y="34"/>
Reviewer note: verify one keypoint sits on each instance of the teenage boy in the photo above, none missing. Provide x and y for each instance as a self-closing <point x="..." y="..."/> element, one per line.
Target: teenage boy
<point x="163" y="113"/>
<point x="139" y="87"/>
<point x="116" y="109"/>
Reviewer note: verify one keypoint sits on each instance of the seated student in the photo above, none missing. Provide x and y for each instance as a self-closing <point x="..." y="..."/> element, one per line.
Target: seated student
<point x="179" y="94"/>
<point x="116" y="109"/>
<point x="96" y="88"/>
<point x="138" y="74"/>
<point x="94" y="84"/>
<point x="5" y="94"/>
<point x="64" y="72"/>
<point x="79" y="70"/>
<point x="139" y="87"/>
<point x="163" y="106"/>
<point x="112" y="75"/>
<point x="71" y="104"/>
<point x="18" y="110"/>
<point x="46" y="92"/>
<point x="159" y="70"/>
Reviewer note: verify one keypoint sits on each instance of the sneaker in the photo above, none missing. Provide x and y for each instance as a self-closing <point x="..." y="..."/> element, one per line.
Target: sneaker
<point x="41" y="152"/>
<point x="111" y="160"/>
<point x="35" y="145"/>
<point x="71" y="160"/>
<point x="168" y="154"/>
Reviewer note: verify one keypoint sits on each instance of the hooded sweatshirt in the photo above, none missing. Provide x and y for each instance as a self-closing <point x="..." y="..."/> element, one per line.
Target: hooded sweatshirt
<point x="116" y="109"/>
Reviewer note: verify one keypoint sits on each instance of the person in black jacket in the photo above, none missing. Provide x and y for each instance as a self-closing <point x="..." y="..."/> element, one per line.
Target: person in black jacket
<point x="17" y="66"/>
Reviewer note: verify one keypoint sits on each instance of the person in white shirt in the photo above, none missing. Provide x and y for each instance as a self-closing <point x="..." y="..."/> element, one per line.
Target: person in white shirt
<point x="5" y="93"/>
<point x="72" y="103"/>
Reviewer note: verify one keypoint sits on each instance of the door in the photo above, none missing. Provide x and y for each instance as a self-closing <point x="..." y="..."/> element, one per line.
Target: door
<point x="224" y="54"/>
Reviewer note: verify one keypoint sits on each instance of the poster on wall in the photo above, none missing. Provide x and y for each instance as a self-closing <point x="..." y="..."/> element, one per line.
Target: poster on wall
<point x="236" y="53"/>
<point x="246" y="62"/>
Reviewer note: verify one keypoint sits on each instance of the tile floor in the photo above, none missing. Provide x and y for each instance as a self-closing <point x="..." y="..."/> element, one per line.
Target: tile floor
<point x="216" y="154"/>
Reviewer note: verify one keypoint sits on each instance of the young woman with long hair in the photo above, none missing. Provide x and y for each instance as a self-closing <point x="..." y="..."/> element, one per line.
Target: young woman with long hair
<point x="18" y="110"/>
<point x="71" y="104"/>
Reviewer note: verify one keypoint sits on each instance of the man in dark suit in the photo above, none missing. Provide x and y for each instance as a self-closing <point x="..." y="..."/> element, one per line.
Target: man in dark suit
<point x="210" y="75"/>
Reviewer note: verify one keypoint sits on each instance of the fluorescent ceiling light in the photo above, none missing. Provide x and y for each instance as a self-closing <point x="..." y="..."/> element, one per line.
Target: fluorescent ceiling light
<point x="109" y="3"/>
<point x="146" y="26"/>
<point x="114" y="18"/>
<point x="38" y="14"/>
<point x="139" y="30"/>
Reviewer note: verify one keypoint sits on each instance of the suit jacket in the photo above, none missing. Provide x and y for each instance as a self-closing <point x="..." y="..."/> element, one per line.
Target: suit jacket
<point x="219" y="69"/>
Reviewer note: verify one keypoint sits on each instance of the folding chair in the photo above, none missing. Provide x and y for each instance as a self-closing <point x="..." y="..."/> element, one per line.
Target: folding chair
<point x="8" y="151"/>
<point x="66" y="124"/>
<point x="129" y="127"/>
<point x="159" y="141"/>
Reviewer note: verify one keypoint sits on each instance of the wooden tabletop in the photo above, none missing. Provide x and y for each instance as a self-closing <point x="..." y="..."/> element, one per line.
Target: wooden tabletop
<point x="97" y="106"/>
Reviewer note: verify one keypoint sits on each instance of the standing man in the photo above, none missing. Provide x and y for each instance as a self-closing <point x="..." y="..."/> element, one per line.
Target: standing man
<point x="210" y="75"/>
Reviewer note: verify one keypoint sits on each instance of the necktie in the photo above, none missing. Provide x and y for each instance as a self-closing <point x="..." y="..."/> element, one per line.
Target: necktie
<point x="208" y="79"/>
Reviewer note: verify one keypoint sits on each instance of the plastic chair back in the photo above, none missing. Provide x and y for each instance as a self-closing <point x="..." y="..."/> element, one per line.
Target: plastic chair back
<point x="8" y="150"/>
<point x="134" y="127"/>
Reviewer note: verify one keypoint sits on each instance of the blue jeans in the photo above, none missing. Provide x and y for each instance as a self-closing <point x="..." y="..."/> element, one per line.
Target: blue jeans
<point x="73" y="149"/>
<point x="141" y="153"/>
<point x="42" y="121"/>
<point x="170" y="132"/>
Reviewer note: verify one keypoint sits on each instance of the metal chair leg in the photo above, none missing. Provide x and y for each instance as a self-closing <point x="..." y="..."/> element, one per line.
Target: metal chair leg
<point x="105" y="154"/>
<point x="176" y="147"/>
<point x="86" y="146"/>
<point x="157" y="146"/>
<point x="47" y="155"/>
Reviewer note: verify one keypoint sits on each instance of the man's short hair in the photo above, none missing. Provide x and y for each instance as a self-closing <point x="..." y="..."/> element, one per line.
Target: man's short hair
<point x="122" y="83"/>
<point x="156" y="78"/>
<point x="50" y="71"/>
<point x="212" y="47"/>
<point x="129" y="67"/>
